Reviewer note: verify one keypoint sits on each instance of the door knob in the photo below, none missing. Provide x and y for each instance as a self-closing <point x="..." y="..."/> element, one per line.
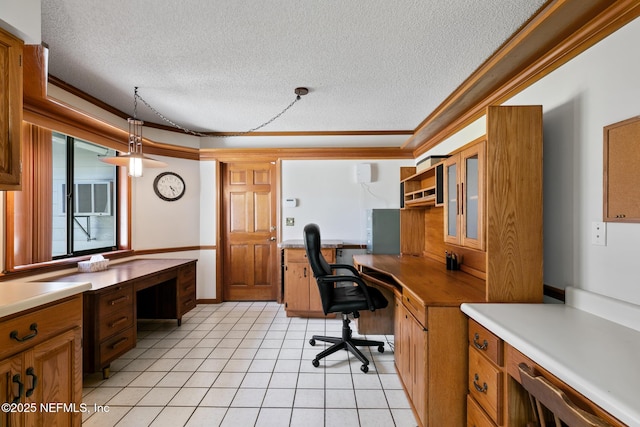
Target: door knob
<point x="272" y="239"/>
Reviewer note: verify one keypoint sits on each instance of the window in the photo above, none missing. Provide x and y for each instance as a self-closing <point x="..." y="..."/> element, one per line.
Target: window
<point x="82" y="219"/>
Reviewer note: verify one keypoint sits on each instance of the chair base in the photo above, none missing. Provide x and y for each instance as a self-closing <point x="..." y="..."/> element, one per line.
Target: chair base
<point x="347" y="343"/>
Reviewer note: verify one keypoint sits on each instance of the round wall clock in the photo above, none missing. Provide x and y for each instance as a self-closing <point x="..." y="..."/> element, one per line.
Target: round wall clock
<point x="169" y="186"/>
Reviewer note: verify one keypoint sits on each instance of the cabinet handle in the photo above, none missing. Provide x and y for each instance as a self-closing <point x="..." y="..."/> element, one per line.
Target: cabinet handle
<point x="479" y="346"/>
<point x="33" y="327"/>
<point x="117" y="322"/>
<point x="16" y="379"/>
<point x="119" y="342"/>
<point x="481" y="389"/>
<point x="462" y="198"/>
<point x="34" y="381"/>
<point x="305" y="272"/>
<point x="119" y="300"/>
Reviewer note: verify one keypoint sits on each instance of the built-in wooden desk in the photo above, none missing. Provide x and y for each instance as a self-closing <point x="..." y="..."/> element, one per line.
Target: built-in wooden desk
<point x="430" y="331"/>
<point x="125" y="292"/>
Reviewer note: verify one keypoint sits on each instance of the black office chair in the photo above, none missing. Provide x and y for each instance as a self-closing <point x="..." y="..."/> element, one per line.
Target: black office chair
<point x="341" y="299"/>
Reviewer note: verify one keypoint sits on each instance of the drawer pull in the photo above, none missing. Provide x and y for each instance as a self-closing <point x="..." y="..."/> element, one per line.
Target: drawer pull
<point x="119" y="300"/>
<point x="33" y="327"/>
<point x="119" y="321"/>
<point x="119" y="342"/>
<point x="479" y="346"/>
<point x="34" y="381"/>
<point x="16" y="379"/>
<point x="481" y="389"/>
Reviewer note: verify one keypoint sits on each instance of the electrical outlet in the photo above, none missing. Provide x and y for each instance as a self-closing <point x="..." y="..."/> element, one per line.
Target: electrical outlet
<point x="599" y="233"/>
<point x="290" y="221"/>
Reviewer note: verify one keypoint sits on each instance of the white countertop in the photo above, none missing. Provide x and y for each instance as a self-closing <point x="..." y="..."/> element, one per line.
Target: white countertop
<point x="19" y="296"/>
<point x="597" y="357"/>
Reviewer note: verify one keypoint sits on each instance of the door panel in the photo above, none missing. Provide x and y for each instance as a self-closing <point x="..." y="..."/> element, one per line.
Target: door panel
<point x="249" y="238"/>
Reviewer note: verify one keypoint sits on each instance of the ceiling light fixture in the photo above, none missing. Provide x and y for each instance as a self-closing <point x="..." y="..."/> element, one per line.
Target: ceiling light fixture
<point x="299" y="91"/>
<point x="134" y="160"/>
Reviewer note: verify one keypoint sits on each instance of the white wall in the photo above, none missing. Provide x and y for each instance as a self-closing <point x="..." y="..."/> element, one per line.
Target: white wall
<point x="595" y="89"/>
<point x="328" y="194"/>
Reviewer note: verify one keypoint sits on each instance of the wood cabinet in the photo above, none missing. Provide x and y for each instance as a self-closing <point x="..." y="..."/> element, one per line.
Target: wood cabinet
<point x="110" y="328"/>
<point x="301" y="294"/>
<point x="10" y="110"/>
<point x="486" y="361"/>
<point x="464" y="197"/>
<point x="420" y="189"/>
<point x="410" y="348"/>
<point x="124" y="293"/>
<point x="41" y="363"/>
<point x="496" y="397"/>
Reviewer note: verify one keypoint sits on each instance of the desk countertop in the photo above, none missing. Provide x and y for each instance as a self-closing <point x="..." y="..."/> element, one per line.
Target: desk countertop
<point x="595" y="356"/>
<point x="426" y="278"/>
<point x="299" y="244"/>
<point x="20" y="296"/>
<point x="122" y="272"/>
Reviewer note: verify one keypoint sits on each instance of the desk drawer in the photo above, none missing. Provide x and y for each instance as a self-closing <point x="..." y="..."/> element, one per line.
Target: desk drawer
<point x="117" y="345"/>
<point x="486" y="342"/>
<point x="187" y="273"/>
<point x="115" y="322"/>
<point x="299" y="255"/>
<point x="476" y="416"/>
<point x="485" y="384"/>
<point x="415" y="306"/>
<point x="120" y="298"/>
<point x="35" y="327"/>
<point x="187" y="303"/>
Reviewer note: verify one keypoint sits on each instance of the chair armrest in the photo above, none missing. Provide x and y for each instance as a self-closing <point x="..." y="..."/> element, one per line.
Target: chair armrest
<point x="352" y="279"/>
<point x="351" y="268"/>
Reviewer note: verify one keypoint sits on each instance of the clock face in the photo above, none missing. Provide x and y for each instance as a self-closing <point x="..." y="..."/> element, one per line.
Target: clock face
<point x="169" y="186"/>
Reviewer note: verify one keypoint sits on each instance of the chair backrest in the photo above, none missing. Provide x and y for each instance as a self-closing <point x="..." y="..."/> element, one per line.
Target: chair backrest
<point x="312" y="246"/>
<point x="551" y="406"/>
<point x="319" y="265"/>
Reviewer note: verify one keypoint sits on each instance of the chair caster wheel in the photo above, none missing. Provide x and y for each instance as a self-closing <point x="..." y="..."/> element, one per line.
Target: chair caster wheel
<point x="312" y="341"/>
<point x="315" y="362"/>
<point x="381" y="349"/>
<point x="364" y="368"/>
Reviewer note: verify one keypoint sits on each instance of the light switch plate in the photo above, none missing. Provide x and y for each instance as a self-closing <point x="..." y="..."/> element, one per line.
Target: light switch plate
<point x="290" y="221"/>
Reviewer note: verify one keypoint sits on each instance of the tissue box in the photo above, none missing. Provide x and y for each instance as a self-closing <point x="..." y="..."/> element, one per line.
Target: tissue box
<point x="93" y="265"/>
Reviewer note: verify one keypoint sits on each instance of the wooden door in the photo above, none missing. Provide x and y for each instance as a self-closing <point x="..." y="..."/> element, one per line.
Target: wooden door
<point x="250" y="260"/>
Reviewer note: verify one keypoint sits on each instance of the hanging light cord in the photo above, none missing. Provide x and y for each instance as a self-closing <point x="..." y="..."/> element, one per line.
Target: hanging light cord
<point x="192" y="132"/>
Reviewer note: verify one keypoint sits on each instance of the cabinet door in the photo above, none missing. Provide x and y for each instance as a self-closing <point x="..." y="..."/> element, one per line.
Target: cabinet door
<point x="402" y="344"/>
<point x="11" y="389"/>
<point x="53" y="374"/>
<point x="464" y="198"/>
<point x="451" y="196"/>
<point x="419" y="361"/>
<point x="296" y="286"/>
<point x="10" y="110"/>
<point x="472" y="193"/>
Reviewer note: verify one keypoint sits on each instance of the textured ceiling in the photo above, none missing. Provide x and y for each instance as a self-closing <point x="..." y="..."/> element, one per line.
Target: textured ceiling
<point x="228" y="66"/>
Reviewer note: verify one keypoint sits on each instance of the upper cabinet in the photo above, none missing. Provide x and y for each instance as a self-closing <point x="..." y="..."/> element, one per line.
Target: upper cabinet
<point x="464" y="197"/>
<point x="10" y="110"/>
<point x="491" y="216"/>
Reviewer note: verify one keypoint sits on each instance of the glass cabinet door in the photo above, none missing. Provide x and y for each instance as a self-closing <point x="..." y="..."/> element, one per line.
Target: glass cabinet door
<point x="451" y="200"/>
<point x="472" y="194"/>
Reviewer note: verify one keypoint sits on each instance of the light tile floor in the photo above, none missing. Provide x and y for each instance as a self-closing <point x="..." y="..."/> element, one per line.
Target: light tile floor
<point x="245" y="364"/>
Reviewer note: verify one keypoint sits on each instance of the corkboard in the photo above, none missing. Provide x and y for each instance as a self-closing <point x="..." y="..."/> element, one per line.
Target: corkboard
<point x="622" y="171"/>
